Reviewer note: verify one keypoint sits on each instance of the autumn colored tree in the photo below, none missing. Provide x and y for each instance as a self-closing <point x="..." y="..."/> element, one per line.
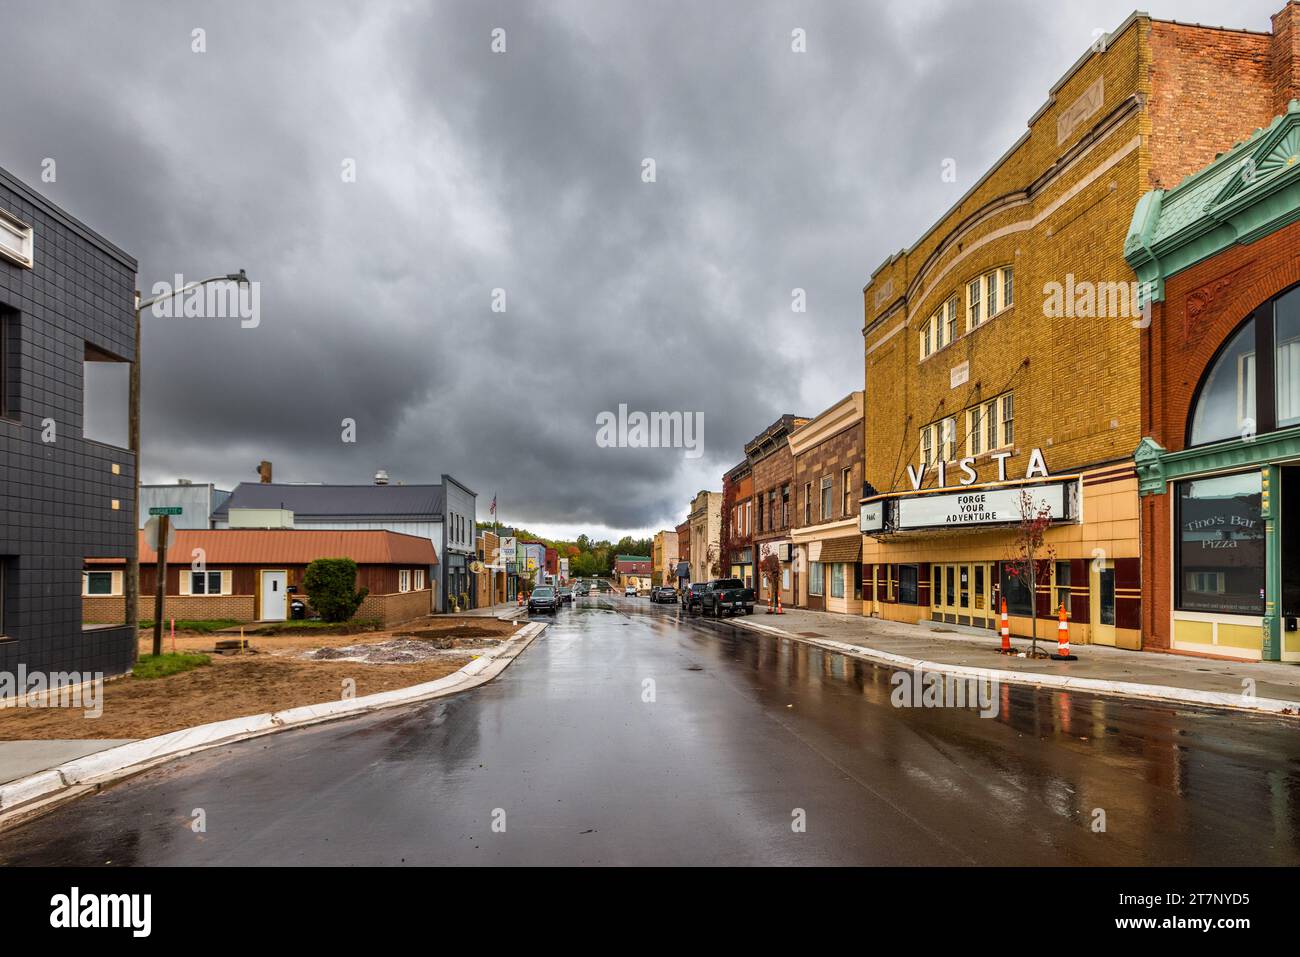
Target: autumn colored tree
<point x="1030" y="559"/>
<point x="770" y="569"/>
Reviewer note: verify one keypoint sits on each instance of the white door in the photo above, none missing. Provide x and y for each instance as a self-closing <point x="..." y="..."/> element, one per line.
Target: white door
<point x="273" y="595"/>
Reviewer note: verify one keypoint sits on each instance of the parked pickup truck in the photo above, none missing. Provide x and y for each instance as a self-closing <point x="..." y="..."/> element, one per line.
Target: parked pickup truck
<point x="726" y="595"/>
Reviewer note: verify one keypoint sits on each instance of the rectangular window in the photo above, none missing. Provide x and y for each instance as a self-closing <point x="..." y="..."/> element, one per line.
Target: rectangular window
<point x="837" y="580"/>
<point x="106" y="404"/>
<point x="816" y="579"/>
<point x="1008" y="421"/>
<point x="1008" y="288"/>
<point x="827" y="497"/>
<point x="973" y="429"/>
<point x="419" y="579"/>
<point x="991" y="293"/>
<point x="949" y="426"/>
<point x="973" y="304"/>
<point x="1016" y="590"/>
<point x="97" y="583"/>
<point x="927" y="446"/>
<point x="1220" y="544"/>
<point x="771" y="509"/>
<point x="936" y="586"/>
<point x="1063" y="585"/>
<point x="785" y="506"/>
<point x="403" y="579"/>
<point x="1286" y="362"/>
<point x="807" y="503"/>
<point x="950" y="322"/>
<point x="205" y="583"/>
<point x="907" y="590"/>
<point x="8" y="355"/>
<point x="846" y="490"/>
<point x="15" y="240"/>
<point x="991" y="424"/>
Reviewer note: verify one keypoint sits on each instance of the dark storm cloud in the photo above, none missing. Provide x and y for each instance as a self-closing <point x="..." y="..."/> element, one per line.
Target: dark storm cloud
<point x="521" y="171"/>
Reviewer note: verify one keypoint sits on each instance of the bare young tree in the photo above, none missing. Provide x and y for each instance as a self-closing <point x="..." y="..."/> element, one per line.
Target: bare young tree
<point x="1030" y="557"/>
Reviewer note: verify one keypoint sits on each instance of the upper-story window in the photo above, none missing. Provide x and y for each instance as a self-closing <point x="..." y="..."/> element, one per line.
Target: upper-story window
<point x="846" y="491"/>
<point x="1230" y="402"/>
<point x="827" y="494"/>
<point x="940" y="330"/>
<point x="989" y="294"/>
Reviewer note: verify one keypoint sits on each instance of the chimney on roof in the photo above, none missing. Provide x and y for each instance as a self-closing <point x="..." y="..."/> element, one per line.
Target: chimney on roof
<point x="264" y="472"/>
<point x="1284" y="57"/>
<point x="381" y="477"/>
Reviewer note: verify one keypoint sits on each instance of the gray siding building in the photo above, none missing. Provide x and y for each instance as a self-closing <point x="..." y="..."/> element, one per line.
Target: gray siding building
<point x="444" y="514"/>
<point x="67" y="481"/>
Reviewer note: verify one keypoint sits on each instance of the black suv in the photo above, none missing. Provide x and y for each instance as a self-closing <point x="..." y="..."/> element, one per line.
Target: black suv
<point x="692" y="596"/>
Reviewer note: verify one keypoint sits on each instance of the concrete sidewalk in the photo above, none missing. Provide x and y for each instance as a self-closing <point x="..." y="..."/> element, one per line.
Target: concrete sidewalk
<point x="21" y="758"/>
<point x="506" y="610"/>
<point x="951" y="645"/>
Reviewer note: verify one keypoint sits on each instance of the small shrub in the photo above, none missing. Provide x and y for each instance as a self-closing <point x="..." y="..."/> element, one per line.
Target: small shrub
<point x="331" y="585"/>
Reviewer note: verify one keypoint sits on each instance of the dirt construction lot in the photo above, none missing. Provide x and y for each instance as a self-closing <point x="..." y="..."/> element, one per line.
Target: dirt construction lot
<point x="277" y="672"/>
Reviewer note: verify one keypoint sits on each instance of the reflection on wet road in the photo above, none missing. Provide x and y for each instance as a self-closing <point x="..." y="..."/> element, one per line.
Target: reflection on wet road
<point x="629" y="735"/>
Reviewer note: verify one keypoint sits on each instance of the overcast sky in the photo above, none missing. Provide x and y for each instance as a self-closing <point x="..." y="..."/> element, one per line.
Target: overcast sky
<point x="520" y="171"/>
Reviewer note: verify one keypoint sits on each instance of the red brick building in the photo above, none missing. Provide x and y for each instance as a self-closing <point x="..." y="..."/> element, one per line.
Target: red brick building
<point x="738" y="523"/>
<point x="1219" y="463"/>
<point x="827" y="454"/>
<point x="772" y="466"/>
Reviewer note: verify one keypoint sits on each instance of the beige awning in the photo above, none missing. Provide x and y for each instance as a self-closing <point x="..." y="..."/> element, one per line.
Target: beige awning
<point x="837" y="550"/>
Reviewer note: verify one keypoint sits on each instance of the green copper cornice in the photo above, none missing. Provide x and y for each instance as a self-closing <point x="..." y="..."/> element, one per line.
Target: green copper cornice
<point x="1248" y="192"/>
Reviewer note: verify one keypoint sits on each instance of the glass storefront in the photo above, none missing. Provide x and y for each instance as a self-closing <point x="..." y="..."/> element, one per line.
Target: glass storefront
<point x="1220" y="547"/>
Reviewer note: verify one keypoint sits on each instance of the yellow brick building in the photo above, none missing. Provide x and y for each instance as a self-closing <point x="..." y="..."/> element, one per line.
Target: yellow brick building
<point x="1002" y="348"/>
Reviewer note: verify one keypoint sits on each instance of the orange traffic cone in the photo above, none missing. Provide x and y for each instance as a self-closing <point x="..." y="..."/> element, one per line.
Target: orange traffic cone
<point x="771" y="607"/>
<point x="1063" y="639"/>
<point x="1006" y="630"/>
<point x="778" y="604"/>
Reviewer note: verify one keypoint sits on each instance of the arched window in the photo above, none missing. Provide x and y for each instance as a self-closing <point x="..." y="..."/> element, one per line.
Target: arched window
<point x="1225" y="405"/>
<point x="1253" y="385"/>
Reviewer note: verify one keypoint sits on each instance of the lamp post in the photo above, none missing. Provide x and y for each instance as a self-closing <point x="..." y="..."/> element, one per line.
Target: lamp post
<point x="132" y="584"/>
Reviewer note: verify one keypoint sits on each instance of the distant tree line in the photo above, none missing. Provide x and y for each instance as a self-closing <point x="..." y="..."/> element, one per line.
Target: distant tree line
<point x="587" y="558"/>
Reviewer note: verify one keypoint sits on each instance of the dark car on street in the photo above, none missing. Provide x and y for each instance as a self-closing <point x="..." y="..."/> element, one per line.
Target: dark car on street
<point x="565" y="593"/>
<point x="544" y="599"/>
<point x="663" y="593"/>
<point x="691" y="595"/>
<point x="723" y="595"/>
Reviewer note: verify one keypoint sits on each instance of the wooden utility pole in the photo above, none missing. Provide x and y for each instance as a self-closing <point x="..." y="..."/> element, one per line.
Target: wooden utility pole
<point x="164" y="530"/>
<point x="132" y="588"/>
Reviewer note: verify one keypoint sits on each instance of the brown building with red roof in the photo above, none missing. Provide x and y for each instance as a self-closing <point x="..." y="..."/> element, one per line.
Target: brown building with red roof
<point x="256" y="574"/>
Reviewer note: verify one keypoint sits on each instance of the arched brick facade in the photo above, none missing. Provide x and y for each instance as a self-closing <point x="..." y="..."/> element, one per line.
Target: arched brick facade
<point x="1203" y="306"/>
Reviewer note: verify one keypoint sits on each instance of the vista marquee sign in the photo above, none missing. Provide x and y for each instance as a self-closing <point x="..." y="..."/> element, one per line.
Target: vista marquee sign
<point x="972" y="507"/>
<point x="983" y="506"/>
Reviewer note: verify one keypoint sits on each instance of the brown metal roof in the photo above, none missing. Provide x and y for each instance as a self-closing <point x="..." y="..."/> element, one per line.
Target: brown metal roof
<point x="848" y="549"/>
<point x="295" y="546"/>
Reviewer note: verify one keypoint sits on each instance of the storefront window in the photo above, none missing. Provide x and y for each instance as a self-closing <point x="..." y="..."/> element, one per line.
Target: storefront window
<point x="1220" y="545"/>
<point x="1225" y="409"/>
<point x="907" y="584"/>
<point x="837" y="580"/>
<point x="1286" y="362"/>
<point x="1015" y="589"/>
<point x="816" y="581"/>
<point x="1063" y="585"/>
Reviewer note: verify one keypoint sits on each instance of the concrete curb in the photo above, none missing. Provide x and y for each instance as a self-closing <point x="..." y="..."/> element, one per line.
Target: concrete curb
<point x="26" y="797"/>
<point x="1127" y="689"/>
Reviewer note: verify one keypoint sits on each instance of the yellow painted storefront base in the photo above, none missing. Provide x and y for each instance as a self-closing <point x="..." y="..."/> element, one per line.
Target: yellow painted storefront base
<point x="1232" y="636"/>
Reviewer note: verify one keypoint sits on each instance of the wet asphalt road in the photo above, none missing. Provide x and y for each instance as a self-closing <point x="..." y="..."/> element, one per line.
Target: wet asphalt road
<point x="743" y="731"/>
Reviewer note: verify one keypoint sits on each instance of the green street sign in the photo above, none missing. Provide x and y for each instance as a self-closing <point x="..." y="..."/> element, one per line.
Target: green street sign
<point x="165" y="510"/>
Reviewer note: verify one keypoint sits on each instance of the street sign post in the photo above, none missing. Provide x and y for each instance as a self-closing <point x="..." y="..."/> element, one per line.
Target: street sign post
<point x="164" y="514"/>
